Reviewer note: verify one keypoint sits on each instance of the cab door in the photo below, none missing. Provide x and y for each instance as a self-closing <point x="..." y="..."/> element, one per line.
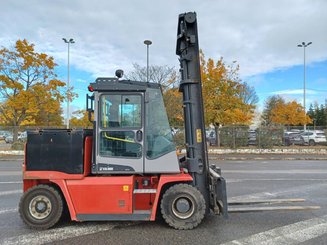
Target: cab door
<point x="119" y="144"/>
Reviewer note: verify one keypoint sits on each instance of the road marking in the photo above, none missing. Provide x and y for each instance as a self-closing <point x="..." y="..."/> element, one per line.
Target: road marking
<point x="57" y="234"/>
<point x="233" y="181"/>
<point x="289" y="234"/>
<point x="11" y="182"/>
<point x="9" y="210"/>
<point x="5" y="193"/>
<point x="10" y="173"/>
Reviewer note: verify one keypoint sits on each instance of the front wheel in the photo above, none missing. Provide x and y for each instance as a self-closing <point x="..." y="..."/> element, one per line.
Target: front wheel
<point x="41" y="207"/>
<point x="312" y="142"/>
<point x="183" y="207"/>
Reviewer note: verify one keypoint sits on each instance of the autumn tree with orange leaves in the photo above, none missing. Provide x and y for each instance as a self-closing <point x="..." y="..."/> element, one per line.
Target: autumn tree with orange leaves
<point x="223" y="94"/>
<point x="291" y="113"/>
<point x="80" y="119"/>
<point x="173" y="101"/>
<point x="227" y="101"/>
<point x="30" y="91"/>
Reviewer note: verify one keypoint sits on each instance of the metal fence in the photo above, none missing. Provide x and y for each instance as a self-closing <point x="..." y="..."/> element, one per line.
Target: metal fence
<point x="227" y="137"/>
<point x="244" y="136"/>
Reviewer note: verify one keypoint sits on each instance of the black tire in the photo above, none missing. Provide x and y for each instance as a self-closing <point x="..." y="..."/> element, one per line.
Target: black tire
<point x="41" y="207"/>
<point x="312" y="142"/>
<point x="189" y="199"/>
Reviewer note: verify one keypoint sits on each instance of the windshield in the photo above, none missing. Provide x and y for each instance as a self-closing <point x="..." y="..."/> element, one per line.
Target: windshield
<point x="159" y="138"/>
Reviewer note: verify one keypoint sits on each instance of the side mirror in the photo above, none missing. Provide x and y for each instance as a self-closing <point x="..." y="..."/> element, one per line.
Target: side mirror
<point x="90" y="105"/>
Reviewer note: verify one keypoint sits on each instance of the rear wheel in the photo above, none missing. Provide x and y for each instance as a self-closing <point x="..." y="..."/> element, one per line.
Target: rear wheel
<point x="183" y="207"/>
<point x="312" y="142"/>
<point x="41" y="207"/>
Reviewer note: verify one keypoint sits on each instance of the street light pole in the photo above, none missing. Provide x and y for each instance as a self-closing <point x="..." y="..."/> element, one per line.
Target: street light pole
<point x="147" y="43"/>
<point x="70" y="41"/>
<point x="304" y="45"/>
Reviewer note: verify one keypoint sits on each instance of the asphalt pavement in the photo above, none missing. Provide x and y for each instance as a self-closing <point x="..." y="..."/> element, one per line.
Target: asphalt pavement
<point x="246" y="180"/>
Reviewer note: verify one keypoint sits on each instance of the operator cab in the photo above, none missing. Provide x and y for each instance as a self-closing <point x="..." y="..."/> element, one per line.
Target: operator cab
<point x="131" y="130"/>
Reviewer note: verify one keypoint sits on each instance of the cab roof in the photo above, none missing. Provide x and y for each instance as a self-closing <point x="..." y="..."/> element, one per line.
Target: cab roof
<point x="114" y="84"/>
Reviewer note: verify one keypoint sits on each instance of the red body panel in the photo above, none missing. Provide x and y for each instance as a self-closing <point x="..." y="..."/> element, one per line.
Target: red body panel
<point x="102" y="195"/>
<point x="87" y="155"/>
<point x="85" y="194"/>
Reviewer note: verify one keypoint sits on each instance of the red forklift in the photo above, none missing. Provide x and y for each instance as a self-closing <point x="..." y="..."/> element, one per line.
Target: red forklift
<point x="127" y="168"/>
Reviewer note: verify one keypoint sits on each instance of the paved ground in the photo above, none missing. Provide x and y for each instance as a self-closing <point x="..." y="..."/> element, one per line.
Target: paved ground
<point x="246" y="180"/>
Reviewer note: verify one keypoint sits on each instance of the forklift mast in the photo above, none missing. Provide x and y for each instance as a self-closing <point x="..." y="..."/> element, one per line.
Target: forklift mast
<point x="187" y="49"/>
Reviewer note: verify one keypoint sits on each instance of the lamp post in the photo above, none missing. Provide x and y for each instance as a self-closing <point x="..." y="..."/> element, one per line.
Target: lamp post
<point x="70" y="41"/>
<point x="304" y="45"/>
<point x="147" y="43"/>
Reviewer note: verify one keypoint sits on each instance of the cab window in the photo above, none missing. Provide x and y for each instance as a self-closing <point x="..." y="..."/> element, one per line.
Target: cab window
<point x="120" y="111"/>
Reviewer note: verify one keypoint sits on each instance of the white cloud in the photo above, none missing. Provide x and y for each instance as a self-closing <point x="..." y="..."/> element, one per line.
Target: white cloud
<point x="261" y="35"/>
<point x="295" y="92"/>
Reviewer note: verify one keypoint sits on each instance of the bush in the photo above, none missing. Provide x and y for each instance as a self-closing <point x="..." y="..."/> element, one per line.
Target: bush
<point x="18" y="146"/>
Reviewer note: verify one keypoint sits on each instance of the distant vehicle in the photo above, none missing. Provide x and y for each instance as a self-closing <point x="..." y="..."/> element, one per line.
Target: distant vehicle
<point x="314" y="137"/>
<point x="293" y="138"/>
<point x="3" y="134"/>
<point x="22" y="137"/>
<point x="296" y="131"/>
<point x="252" y="137"/>
<point x="211" y="137"/>
<point x="9" y="139"/>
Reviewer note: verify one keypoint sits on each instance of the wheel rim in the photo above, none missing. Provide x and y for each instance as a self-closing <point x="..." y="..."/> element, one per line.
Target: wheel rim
<point x="183" y="207"/>
<point x="40" y="207"/>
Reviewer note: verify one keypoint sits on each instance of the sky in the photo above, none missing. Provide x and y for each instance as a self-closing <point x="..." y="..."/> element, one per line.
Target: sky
<point x="262" y="36"/>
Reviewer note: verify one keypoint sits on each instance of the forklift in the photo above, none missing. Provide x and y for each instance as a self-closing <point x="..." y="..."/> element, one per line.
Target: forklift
<point x="126" y="168"/>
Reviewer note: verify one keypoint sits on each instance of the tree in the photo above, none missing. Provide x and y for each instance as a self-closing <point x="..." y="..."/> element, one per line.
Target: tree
<point x="29" y="86"/>
<point x="224" y="94"/>
<point x="270" y="104"/>
<point x="311" y="112"/>
<point x="163" y="75"/>
<point x="226" y="98"/>
<point x="80" y="119"/>
<point x="291" y="113"/>
<point x="249" y="95"/>
<point x="50" y="118"/>
<point x="173" y="103"/>
<point x="318" y="114"/>
<point x="167" y="78"/>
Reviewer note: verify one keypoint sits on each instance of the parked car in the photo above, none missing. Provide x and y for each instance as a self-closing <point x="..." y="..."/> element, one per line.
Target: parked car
<point x="211" y="138"/>
<point x="22" y="137"/>
<point x="293" y="138"/>
<point x="314" y="137"/>
<point x="9" y="139"/>
<point x="3" y="134"/>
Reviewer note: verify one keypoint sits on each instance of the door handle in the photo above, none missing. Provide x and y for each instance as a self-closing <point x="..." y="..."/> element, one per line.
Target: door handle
<point x="139" y="135"/>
